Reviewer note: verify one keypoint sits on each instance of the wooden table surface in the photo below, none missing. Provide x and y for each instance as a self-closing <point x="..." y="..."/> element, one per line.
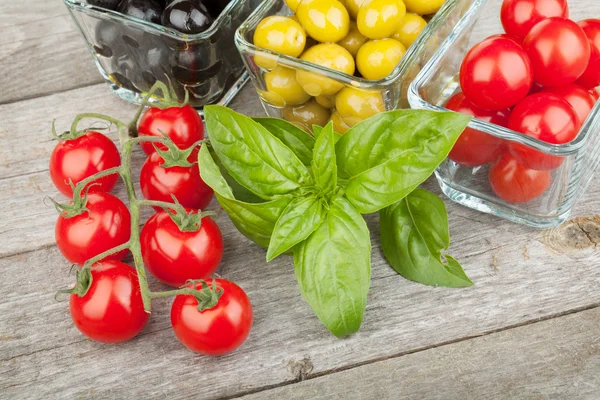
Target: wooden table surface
<point x="530" y="328"/>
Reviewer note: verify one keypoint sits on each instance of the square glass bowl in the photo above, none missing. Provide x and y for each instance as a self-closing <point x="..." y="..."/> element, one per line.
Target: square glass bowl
<point x="470" y="186"/>
<point x="388" y="93"/>
<point x="131" y="54"/>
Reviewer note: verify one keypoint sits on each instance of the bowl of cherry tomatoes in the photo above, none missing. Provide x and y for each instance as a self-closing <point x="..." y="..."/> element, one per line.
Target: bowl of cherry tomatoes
<point x="532" y="148"/>
<point x="187" y="44"/>
<point x="314" y="61"/>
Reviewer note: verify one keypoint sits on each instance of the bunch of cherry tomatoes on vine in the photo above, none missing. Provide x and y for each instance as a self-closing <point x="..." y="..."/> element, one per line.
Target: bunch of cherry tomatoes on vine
<point x="180" y="244"/>
<point x="539" y="79"/>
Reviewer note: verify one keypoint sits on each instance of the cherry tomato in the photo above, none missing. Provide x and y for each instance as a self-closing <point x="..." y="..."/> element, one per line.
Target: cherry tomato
<point x="559" y="51"/>
<point x="159" y="183"/>
<point x="595" y="93"/>
<point x="548" y="118"/>
<point x="77" y="159"/>
<point x="182" y="124"/>
<point x="496" y="73"/>
<point x="214" y="331"/>
<point x="579" y="98"/>
<point x="474" y="147"/>
<point x="175" y="256"/>
<point x="105" y="224"/>
<point x="519" y="16"/>
<point x="591" y="75"/>
<point x="112" y="310"/>
<point x="516" y="183"/>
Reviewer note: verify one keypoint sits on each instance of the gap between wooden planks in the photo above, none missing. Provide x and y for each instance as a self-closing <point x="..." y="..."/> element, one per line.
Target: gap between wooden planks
<point x="521" y="276"/>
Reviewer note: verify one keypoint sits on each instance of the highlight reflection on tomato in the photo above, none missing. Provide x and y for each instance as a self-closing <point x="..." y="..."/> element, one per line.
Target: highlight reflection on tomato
<point x="215" y="331"/>
<point x="474" y="147"/>
<point x="516" y="183"/>
<point x="76" y="159"/>
<point x="182" y="125"/>
<point x="173" y="256"/>
<point x="591" y="75"/>
<point x="519" y="16"/>
<point x="548" y="118"/>
<point x="496" y="73"/>
<point x="184" y="183"/>
<point x="112" y="310"/>
<point x="579" y="98"/>
<point x="105" y="224"/>
<point x="559" y="51"/>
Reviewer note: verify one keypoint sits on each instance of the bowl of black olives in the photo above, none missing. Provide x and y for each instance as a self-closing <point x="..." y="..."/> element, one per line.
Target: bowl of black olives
<point x="187" y="44"/>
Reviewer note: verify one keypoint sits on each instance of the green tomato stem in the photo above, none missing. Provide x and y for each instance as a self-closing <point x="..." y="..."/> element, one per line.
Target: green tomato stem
<point x="127" y="140"/>
<point x="89" y="263"/>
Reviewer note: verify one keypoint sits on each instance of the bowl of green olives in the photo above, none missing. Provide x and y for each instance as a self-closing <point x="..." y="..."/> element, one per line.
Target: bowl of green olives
<point x="315" y="61"/>
<point x="187" y="44"/>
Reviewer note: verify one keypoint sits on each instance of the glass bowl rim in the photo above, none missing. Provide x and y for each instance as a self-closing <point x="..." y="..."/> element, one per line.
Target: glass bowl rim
<point x="432" y="67"/>
<point x="82" y="6"/>
<point x="293" y="62"/>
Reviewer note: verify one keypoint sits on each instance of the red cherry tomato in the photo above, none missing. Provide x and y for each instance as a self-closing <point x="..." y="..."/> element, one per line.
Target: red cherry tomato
<point x="105" y="224"/>
<point x="215" y="331"/>
<point x="77" y="159"/>
<point x="559" y="51"/>
<point x="160" y="183"/>
<point x="474" y="147"/>
<point x="496" y="73"/>
<point x="112" y="310"/>
<point x="175" y="257"/>
<point x="519" y="16"/>
<point x="579" y="98"/>
<point x="591" y="75"/>
<point x="182" y="124"/>
<point x="516" y="183"/>
<point x="595" y="93"/>
<point x="548" y="118"/>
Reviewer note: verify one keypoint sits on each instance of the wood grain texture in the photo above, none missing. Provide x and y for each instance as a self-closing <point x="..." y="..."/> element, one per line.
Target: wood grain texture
<point x="554" y="359"/>
<point x="24" y="179"/>
<point x="521" y="275"/>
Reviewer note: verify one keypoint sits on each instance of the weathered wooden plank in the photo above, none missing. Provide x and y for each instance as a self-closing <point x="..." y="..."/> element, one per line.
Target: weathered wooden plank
<point x="28" y="144"/>
<point x="29" y="122"/>
<point x="554" y="359"/>
<point x="42" y="354"/>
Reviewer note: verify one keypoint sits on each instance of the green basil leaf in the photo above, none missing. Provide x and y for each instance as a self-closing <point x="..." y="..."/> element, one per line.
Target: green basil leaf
<point x="301" y="218"/>
<point x="256" y="221"/>
<point x="333" y="268"/>
<point x="239" y="192"/>
<point x="413" y="233"/>
<point x="324" y="167"/>
<point x="387" y="156"/>
<point x="293" y="137"/>
<point x="317" y="131"/>
<point x="254" y="158"/>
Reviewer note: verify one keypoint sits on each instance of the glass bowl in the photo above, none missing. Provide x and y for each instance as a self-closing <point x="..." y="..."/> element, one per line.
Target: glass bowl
<point x="470" y="186"/>
<point x="131" y="54"/>
<point x="388" y="93"/>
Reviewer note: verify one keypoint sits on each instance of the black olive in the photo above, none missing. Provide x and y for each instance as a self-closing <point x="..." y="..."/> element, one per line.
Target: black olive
<point x="106" y="38"/>
<point x="109" y="4"/>
<point x="186" y="16"/>
<point x="216" y="7"/>
<point x="148" y="10"/>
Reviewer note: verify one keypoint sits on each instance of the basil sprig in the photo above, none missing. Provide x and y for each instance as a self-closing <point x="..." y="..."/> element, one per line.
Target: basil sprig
<point x="290" y="192"/>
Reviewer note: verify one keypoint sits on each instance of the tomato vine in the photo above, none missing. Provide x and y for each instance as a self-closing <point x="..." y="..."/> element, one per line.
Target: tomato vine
<point x="207" y="296"/>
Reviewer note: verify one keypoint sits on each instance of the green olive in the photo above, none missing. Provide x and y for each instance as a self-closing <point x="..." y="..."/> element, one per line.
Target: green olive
<point x="283" y="88"/>
<point x="324" y="20"/>
<point x="376" y="59"/>
<point x="328" y="55"/>
<point x="307" y="115"/>
<point x="380" y="18"/>
<point x="279" y="34"/>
